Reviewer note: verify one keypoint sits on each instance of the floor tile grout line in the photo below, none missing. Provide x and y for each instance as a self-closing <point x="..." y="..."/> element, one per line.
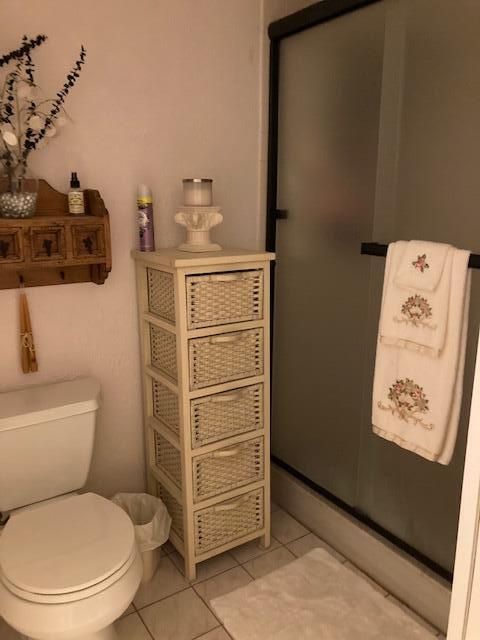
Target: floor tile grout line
<point x="299" y="538"/>
<point x="206" y="602"/>
<point x="209" y="608"/>
<point x="262" y="552"/>
<point x="215" y="575"/>
<point x="138" y="609"/>
<point x="344" y="560"/>
<point x="145" y="625"/>
<point x="174" y="594"/>
<point x="250" y="574"/>
<point x="202" y="635"/>
<point x="226" y="631"/>
<point x="192" y="584"/>
<point x="263" y="556"/>
<point x="214" y="629"/>
<point x="163" y="598"/>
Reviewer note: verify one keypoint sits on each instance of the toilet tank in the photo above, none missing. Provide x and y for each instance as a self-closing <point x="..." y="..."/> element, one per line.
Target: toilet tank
<point x="46" y="440"/>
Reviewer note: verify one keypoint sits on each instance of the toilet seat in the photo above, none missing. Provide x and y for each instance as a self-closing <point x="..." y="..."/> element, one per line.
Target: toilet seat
<point x="71" y="620"/>
<point x="73" y="596"/>
<point x="67" y="550"/>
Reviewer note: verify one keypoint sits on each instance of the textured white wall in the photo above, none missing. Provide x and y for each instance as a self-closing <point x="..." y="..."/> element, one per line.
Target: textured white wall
<point x="171" y="89"/>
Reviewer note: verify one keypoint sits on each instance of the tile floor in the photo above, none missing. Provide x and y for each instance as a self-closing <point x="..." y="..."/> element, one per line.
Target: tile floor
<point x="171" y="608"/>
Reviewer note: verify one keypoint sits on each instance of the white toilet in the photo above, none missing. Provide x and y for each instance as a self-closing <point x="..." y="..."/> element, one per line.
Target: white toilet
<point x="69" y="565"/>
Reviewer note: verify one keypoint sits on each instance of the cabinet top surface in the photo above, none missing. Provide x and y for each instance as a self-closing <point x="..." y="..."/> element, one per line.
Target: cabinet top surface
<point x="177" y="258"/>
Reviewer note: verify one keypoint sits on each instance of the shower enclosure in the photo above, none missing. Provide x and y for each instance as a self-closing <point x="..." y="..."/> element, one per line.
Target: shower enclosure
<point x="373" y="137"/>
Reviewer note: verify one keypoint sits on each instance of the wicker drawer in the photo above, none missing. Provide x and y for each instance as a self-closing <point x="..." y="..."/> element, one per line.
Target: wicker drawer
<point x="228" y="521"/>
<point x="225" y="357"/>
<point x="174" y="509"/>
<point x="227" y="469"/>
<point x="167" y="459"/>
<point x="223" y="415"/>
<point x="165" y="406"/>
<point x="222" y="298"/>
<point x="161" y="294"/>
<point x="163" y="351"/>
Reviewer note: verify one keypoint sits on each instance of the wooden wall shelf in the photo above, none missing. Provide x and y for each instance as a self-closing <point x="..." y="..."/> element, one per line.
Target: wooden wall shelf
<point x="54" y="247"/>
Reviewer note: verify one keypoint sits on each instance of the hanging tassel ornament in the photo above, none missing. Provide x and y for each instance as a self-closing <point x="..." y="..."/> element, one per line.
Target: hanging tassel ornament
<point x="27" y="345"/>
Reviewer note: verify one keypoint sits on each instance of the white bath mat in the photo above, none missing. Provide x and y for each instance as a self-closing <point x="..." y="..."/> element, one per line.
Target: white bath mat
<point x="314" y="598"/>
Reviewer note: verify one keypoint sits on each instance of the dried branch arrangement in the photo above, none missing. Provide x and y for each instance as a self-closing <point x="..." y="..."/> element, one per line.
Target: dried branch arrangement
<point x="27" y="119"/>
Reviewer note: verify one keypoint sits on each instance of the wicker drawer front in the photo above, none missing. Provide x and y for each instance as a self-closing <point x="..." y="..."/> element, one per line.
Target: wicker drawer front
<point x="167" y="458"/>
<point x="174" y="509"/>
<point x="228" y="521"/>
<point x="225" y="357"/>
<point x="163" y="351"/>
<point x="223" y="415"/>
<point x="165" y="405"/>
<point x="222" y="298"/>
<point x="161" y="294"/>
<point x="227" y="469"/>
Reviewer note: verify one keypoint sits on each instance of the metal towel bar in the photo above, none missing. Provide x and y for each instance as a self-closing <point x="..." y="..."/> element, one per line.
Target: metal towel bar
<point x="376" y="249"/>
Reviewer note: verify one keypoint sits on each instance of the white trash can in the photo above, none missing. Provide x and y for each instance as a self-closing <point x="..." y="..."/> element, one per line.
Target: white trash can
<point x="151" y="521"/>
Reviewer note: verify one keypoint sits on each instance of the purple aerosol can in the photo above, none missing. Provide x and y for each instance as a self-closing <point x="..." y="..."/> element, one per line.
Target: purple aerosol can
<point x="145" y="218"/>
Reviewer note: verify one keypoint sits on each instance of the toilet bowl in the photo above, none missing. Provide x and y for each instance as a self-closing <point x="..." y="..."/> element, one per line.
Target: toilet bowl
<point x="68" y="569"/>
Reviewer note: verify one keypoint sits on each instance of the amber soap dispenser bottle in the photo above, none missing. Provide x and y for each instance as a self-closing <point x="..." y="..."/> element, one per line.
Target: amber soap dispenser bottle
<point x="76" y="200"/>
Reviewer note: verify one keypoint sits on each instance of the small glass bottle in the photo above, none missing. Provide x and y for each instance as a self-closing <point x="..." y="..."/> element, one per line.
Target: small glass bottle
<point x="76" y="201"/>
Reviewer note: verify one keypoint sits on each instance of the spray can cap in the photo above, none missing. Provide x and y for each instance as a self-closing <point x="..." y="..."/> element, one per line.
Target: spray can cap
<point x="74" y="181"/>
<point x="143" y="191"/>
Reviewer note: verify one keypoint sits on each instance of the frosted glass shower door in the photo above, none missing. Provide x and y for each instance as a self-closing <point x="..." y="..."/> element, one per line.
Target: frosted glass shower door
<point x="329" y="102"/>
<point x="378" y="139"/>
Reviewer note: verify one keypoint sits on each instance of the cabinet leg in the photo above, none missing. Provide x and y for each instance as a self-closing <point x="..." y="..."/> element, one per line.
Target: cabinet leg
<point x="265" y="541"/>
<point x="190" y="570"/>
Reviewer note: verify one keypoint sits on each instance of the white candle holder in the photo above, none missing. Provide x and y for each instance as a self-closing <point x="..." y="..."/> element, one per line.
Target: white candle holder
<point x="198" y="222"/>
<point x="197" y="192"/>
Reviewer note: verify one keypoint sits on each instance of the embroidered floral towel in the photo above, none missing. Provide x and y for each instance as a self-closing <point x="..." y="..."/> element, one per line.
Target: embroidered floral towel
<point x="422" y="265"/>
<point x="414" y="318"/>
<point x="416" y="397"/>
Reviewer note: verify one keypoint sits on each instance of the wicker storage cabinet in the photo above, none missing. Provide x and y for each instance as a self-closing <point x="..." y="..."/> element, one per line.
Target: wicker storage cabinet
<point x="204" y="321"/>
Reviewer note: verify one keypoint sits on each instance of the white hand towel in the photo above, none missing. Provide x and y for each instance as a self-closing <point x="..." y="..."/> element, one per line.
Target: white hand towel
<point x="413" y="318"/>
<point x="417" y="398"/>
<point x="422" y="265"/>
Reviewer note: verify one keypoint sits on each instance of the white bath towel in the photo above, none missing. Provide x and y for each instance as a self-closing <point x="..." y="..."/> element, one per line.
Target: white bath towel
<point x="416" y="397"/>
<point x="414" y="317"/>
<point x="422" y="265"/>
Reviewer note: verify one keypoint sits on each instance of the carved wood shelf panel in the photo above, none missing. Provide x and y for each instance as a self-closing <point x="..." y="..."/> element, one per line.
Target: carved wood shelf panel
<point x="54" y="247"/>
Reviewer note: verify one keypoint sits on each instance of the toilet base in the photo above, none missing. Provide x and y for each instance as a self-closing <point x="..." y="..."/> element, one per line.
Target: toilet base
<point x="105" y="634"/>
<point x="91" y="618"/>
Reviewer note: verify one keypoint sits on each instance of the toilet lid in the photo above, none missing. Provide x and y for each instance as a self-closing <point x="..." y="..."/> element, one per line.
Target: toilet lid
<point x="66" y="546"/>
